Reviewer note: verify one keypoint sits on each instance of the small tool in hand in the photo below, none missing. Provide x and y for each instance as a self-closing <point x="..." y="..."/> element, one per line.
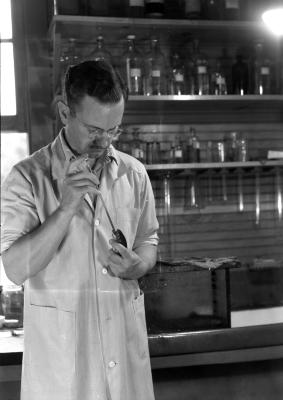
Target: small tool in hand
<point x="117" y="233"/>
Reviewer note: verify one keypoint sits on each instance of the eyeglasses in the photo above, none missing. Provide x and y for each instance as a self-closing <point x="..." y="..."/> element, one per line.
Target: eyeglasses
<point x="94" y="131"/>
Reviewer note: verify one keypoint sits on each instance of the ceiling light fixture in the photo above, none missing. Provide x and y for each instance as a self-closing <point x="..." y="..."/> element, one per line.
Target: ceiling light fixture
<point x="273" y="18"/>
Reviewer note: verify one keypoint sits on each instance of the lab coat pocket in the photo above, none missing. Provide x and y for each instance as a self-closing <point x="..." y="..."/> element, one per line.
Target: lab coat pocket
<point x="141" y="331"/>
<point x="127" y="221"/>
<point x="51" y="351"/>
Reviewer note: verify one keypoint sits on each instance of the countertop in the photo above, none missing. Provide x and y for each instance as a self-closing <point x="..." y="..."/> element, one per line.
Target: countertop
<point x="217" y="346"/>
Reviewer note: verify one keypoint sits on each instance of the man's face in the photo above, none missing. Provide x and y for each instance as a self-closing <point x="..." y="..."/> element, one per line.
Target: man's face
<point x="81" y="132"/>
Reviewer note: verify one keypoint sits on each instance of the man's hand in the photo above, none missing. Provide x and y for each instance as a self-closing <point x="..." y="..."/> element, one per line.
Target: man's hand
<point x="78" y="181"/>
<point x="127" y="264"/>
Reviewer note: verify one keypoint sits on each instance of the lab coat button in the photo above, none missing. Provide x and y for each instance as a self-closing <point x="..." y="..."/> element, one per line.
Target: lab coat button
<point x="104" y="271"/>
<point x="96" y="222"/>
<point x="111" y="364"/>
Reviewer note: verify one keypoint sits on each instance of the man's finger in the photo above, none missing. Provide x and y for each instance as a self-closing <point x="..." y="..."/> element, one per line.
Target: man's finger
<point x="78" y="164"/>
<point x="83" y="175"/>
<point x="119" y="248"/>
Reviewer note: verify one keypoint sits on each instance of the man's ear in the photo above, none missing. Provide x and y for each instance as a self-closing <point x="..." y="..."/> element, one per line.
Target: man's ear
<point x="64" y="112"/>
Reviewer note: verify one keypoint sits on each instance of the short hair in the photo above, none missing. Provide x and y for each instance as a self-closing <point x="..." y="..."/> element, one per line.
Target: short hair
<point x="95" y="78"/>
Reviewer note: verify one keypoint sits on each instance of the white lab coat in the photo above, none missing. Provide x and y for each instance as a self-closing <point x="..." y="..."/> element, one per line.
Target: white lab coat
<point x="85" y="331"/>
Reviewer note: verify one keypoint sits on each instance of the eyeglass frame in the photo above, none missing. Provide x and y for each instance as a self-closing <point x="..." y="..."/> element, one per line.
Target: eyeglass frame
<point x="100" y="131"/>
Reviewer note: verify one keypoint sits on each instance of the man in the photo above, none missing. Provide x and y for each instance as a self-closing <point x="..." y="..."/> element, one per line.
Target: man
<point x="85" y="332"/>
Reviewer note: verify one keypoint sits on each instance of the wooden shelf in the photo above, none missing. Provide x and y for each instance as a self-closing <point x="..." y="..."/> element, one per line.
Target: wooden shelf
<point x="210" y="108"/>
<point x="203" y="166"/>
<point x="84" y="27"/>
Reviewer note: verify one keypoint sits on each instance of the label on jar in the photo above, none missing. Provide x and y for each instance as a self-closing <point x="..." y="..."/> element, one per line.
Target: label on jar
<point x="232" y="4"/>
<point x="135" y="72"/>
<point x="155" y="73"/>
<point x="136" y="3"/>
<point x="178" y="153"/>
<point x="136" y="152"/>
<point x="220" y="80"/>
<point x="202" y="69"/>
<point x="179" y="77"/>
<point x="264" y="71"/>
<point x="192" y="6"/>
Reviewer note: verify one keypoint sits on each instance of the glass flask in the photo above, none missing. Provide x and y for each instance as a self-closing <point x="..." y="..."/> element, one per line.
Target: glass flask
<point x="155" y="70"/>
<point x="132" y="67"/>
<point x="154" y="8"/>
<point x="69" y="56"/>
<point x="212" y="9"/>
<point x="231" y="145"/>
<point x="135" y="8"/>
<point x="261" y="71"/>
<point x="231" y="9"/>
<point x="189" y="71"/>
<point x="226" y="66"/>
<point x="192" y="9"/>
<point x="192" y="148"/>
<point x="218" y="80"/>
<point x="240" y="76"/>
<point x="200" y="66"/>
<point x="138" y="146"/>
<point x="177" y="78"/>
<point x="12" y="299"/>
<point x="100" y="52"/>
<point x="98" y="7"/>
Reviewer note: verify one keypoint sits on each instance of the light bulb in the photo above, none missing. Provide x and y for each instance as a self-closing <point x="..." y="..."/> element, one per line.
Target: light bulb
<point x="273" y="19"/>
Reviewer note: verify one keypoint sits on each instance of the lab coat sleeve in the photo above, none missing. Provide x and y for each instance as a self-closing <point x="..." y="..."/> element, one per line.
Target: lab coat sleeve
<point x="148" y="224"/>
<point x="18" y="209"/>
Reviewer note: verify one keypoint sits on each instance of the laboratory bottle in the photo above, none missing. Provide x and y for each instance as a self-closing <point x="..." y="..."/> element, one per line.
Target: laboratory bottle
<point x="231" y="145"/>
<point x="12" y="300"/>
<point x="173" y="9"/>
<point x="212" y="9"/>
<point x="132" y="67"/>
<point x="201" y="74"/>
<point x="261" y="71"/>
<point x="135" y="8"/>
<point x="177" y="78"/>
<point x="189" y="71"/>
<point x="192" y="9"/>
<point x="155" y="70"/>
<point x="100" y="52"/>
<point x="240" y="76"/>
<point x="218" y="79"/>
<point x="66" y="7"/>
<point x="226" y="65"/>
<point x="231" y="9"/>
<point x="193" y="147"/>
<point x="69" y="56"/>
<point x="98" y="7"/>
<point x="154" y="8"/>
<point x="138" y="147"/>
<point x="177" y="151"/>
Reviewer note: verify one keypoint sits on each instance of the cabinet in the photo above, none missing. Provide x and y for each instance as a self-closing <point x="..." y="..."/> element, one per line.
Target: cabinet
<point x="254" y="187"/>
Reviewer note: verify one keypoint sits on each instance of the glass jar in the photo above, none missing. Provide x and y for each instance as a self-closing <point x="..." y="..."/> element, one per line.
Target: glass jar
<point x="155" y="62"/>
<point x="12" y="300"/>
<point x="132" y="67"/>
<point x="201" y="74"/>
<point x="243" y="150"/>
<point x="231" y="146"/>
<point x="177" y="75"/>
<point x="261" y="71"/>
<point x="100" y="52"/>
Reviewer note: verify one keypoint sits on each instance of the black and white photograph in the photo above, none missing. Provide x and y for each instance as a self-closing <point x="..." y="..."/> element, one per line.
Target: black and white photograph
<point x="141" y="200"/>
